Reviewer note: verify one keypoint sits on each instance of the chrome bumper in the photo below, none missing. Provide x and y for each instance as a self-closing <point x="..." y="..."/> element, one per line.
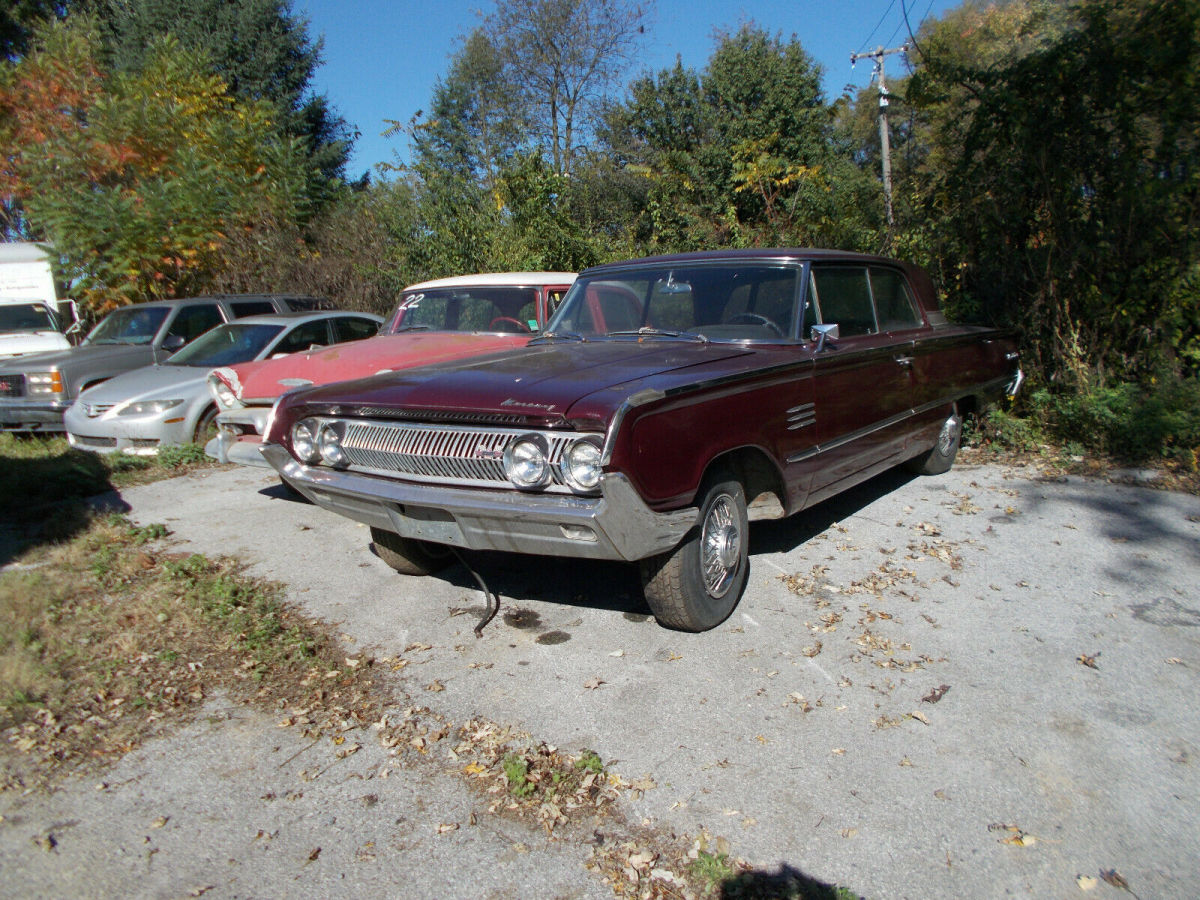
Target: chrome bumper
<point x="36" y="415"/>
<point x="616" y="526"/>
<point x="227" y="448"/>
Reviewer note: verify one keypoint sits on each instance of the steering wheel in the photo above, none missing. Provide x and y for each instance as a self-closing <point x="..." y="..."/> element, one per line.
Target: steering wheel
<point x="755" y="319"/>
<point x="521" y="326"/>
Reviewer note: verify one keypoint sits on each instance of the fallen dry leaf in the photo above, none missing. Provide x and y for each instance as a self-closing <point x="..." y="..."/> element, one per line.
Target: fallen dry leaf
<point x="447" y="826"/>
<point x="936" y="694"/>
<point x="1116" y="879"/>
<point x="1086" y="882"/>
<point x="594" y="683"/>
<point x="1089" y="661"/>
<point x="160" y="822"/>
<point x="920" y="717"/>
<point x="314" y="854"/>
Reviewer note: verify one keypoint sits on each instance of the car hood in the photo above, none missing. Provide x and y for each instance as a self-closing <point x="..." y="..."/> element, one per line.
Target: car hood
<point x="149" y="383"/>
<point x="22" y="342"/>
<point x="268" y="378"/>
<point x="84" y="354"/>
<point x="549" y="381"/>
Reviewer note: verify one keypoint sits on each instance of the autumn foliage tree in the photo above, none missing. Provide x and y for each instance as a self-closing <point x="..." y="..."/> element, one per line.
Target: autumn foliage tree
<point x="138" y="178"/>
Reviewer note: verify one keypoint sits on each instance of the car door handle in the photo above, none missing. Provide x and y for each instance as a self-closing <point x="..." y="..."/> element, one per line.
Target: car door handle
<point x="904" y="360"/>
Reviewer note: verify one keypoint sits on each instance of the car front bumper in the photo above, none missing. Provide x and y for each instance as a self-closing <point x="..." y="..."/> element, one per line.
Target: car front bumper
<point x="32" y="415"/>
<point x="133" y="436"/>
<point x="615" y="526"/>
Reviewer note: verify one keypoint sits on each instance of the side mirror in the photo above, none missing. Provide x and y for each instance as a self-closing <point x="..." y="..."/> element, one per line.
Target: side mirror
<point x="823" y="333"/>
<point x="173" y="342"/>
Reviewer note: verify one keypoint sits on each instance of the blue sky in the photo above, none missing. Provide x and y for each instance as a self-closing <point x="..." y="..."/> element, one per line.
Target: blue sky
<point x="381" y="59"/>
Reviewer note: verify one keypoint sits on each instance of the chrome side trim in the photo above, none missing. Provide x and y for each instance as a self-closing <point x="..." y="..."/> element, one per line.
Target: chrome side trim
<point x="802" y="416"/>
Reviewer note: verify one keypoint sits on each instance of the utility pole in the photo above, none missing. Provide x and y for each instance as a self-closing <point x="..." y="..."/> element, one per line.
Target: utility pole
<point x="877" y="55"/>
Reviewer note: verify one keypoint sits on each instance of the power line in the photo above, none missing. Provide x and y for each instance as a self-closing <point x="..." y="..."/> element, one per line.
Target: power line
<point x="877" y="24"/>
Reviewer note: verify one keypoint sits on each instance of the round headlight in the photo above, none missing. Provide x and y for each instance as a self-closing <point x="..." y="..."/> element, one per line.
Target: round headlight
<point x="526" y="461"/>
<point x="581" y="465"/>
<point x="329" y="444"/>
<point x="304" y="441"/>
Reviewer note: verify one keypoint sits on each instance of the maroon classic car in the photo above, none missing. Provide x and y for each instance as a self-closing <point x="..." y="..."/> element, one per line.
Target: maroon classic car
<point x="671" y="401"/>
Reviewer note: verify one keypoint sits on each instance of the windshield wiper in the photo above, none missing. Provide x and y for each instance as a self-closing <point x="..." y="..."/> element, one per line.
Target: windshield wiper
<point x="558" y="336"/>
<point x="412" y="328"/>
<point x="647" y="331"/>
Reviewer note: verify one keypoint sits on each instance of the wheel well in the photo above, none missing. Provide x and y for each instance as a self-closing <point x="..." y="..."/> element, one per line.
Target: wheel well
<point x="759" y="477"/>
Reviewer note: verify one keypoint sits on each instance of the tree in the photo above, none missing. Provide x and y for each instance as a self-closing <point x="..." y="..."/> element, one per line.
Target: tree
<point x="561" y="58"/>
<point x="18" y="18"/>
<point x="139" y="178"/>
<point x="1063" y="180"/>
<point x="259" y="48"/>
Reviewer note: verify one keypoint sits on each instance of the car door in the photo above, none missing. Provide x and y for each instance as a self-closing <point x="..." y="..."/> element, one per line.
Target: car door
<point x="862" y="379"/>
<point x="188" y="323"/>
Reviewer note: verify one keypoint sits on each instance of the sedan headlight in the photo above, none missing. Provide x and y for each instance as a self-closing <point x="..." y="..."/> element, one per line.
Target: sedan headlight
<point x="527" y="461"/>
<point x="45" y="383"/>
<point x="223" y="393"/>
<point x="329" y="446"/>
<point x="581" y="464"/>
<point x="148" y="407"/>
<point x="304" y="441"/>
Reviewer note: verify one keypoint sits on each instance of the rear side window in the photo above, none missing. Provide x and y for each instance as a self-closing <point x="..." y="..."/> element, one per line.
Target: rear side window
<point x="844" y="298"/>
<point x="302" y="337"/>
<point x="192" y="321"/>
<point x="354" y="329"/>
<point x="251" y="308"/>
<point x="893" y="301"/>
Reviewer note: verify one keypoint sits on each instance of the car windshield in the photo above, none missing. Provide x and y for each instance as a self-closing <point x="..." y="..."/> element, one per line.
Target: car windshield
<point x="717" y="302"/>
<point x="129" y="325"/>
<point x="482" y="308"/>
<point x="225" y="345"/>
<point x="26" y="317"/>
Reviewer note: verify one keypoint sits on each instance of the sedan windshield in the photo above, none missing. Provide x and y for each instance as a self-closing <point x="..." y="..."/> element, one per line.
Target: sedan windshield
<point x="129" y="325"/>
<point x="481" y="308"/>
<point x="719" y="302"/>
<point x="225" y="345"/>
<point x="26" y="317"/>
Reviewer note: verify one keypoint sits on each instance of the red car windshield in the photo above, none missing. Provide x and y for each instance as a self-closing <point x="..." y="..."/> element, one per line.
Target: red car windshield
<point x="483" y="308"/>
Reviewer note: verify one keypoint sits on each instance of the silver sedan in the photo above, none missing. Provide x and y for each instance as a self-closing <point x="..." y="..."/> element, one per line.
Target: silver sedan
<point x="139" y="411"/>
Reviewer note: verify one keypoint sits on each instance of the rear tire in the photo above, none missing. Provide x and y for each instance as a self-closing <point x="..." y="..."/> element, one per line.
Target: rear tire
<point x="695" y="586"/>
<point x="408" y="556"/>
<point x="938" y="459"/>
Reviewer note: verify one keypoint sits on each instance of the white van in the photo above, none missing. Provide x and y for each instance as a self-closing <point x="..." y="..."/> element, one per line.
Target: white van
<point x="31" y="316"/>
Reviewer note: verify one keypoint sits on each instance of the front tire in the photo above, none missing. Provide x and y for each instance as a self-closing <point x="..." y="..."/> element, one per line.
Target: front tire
<point x="408" y="556"/>
<point x="938" y="459"/>
<point x="695" y="586"/>
<point x="206" y="428"/>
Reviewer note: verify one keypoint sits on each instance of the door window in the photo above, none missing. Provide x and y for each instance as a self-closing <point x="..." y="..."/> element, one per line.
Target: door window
<point x="354" y="329"/>
<point x="844" y="298"/>
<point x="893" y="302"/>
<point x="192" y="321"/>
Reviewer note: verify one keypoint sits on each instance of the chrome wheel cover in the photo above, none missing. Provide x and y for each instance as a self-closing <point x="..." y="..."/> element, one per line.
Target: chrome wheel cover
<point x="720" y="546"/>
<point x="948" y="436"/>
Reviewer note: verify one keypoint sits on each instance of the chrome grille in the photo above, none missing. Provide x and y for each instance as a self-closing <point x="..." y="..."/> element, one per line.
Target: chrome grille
<point x="92" y="410"/>
<point x="12" y="385"/>
<point x="443" y="453"/>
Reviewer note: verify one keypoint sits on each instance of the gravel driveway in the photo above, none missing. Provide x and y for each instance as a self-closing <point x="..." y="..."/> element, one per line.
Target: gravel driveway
<point x="979" y="684"/>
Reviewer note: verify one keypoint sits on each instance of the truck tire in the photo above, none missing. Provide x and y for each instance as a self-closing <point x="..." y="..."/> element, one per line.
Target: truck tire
<point x="408" y="556"/>
<point x="695" y="586"/>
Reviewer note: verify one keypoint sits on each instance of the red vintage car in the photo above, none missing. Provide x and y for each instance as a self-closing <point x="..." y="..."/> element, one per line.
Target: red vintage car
<point x="671" y="401"/>
<point x="436" y="321"/>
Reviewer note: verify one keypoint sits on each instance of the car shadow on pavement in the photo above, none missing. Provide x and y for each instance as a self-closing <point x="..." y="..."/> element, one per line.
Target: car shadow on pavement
<point x="784" y="535"/>
<point x="787" y="882"/>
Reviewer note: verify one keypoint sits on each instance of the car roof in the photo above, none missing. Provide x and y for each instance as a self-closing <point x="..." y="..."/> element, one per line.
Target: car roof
<point x="497" y="279"/>
<point x="789" y="254"/>
<point x="228" y="298"/>
<point x="293" y="318"/>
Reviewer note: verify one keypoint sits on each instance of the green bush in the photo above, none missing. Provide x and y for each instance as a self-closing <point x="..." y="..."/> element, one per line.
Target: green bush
<point x="1159" y="420"/>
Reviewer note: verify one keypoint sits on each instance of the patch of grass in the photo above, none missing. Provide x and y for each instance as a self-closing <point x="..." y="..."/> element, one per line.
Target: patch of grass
<point x="516" y="770"/>
<point x="712" y="870"/>
<point x="177" y="456"/>
<point x="104" y="636"/>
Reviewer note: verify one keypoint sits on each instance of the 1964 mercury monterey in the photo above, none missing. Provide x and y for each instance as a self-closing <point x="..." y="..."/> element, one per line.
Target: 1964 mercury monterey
<point x="671" y="401"/>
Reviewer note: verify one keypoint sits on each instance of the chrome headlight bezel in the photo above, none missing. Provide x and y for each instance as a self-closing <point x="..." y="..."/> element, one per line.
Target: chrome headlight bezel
<point x="329" y="445"/>
<point x="43" y="383"/>
<point x="304" y="441"/>
<point x="581" y="465"/>
<point x="147" y="407"/>
<point x="527" y="462"/>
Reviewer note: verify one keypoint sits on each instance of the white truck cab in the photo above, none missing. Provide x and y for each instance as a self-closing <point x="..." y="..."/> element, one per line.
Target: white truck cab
<point x="32" y="319"/>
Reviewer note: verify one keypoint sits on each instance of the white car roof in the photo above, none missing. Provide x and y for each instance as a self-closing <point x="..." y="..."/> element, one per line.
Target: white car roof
<point x="288" y="319"/>
<point x="497" y="279"/>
